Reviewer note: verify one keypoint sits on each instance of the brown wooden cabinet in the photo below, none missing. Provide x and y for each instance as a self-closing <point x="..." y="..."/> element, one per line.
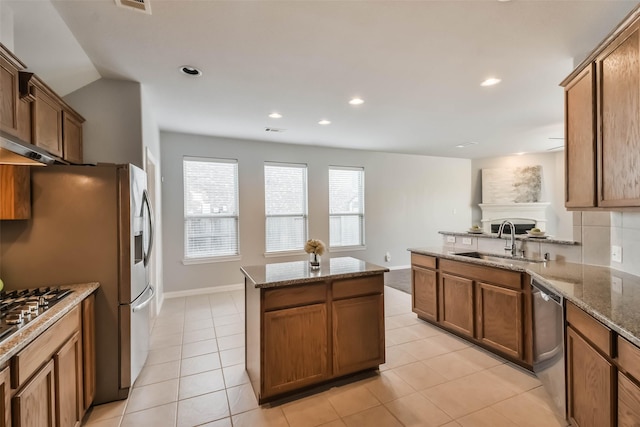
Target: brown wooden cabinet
<point x="34" y="404"/>
<point x="500" y="319"/>
<point x="604" y="110"/>
<point x="5" y="397"/>
<point x="9" y="94"/>
<point x="296" y="348"/>
<point x="304" y="335"/>
<point x="590" y="379"/>
<point x="68" y="372"/>
<point x="15" y="192"/>
<point x="357" y="328"/>
<point x="486" y="305"/>
<point x="456" y="303"/>
<point x="55" y="126"/>
<point x="618" y="71"/>
<point x="580" y="140"/>
<point x="424" y="287"/>
<point x="628" y="402"/>
<point x="89" y="350"/>
<point x="55" y="395"/>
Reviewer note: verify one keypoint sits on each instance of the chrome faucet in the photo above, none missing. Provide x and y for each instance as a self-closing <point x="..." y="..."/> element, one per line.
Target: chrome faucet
<point x="509" y="247"/>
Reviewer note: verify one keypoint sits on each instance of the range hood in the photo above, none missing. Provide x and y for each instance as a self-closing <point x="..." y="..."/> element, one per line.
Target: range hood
<point x="16" y="152"/>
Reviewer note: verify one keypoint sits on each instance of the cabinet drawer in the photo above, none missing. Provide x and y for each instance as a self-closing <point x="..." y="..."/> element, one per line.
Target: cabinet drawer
<point x="423" y="260"/>
<point x="496" y="276"/>
<point x="25" y="363"/>
<point x="292" y="296"/>
<point x="358" y="287"/>
<point x="591" y="329"/>
<point x="629" y="358"/>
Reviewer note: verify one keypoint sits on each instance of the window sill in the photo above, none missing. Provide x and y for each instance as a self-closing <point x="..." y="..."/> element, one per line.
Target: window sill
<point x="210" y="260"/>
<point x="347" y="248"/>
<point x="284" y="254"/>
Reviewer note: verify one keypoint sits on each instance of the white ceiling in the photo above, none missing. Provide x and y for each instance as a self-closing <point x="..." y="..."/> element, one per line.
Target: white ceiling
<point x="417" y="64"/>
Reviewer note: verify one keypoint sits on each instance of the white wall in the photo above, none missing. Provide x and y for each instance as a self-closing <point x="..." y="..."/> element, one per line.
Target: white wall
<point x="560" y="222"/>
<point x="112" y="132"/>
<point x="408" y="199"/>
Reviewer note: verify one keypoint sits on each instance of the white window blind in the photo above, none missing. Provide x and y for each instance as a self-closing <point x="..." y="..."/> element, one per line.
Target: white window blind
<point x="346" y="206"/>
<point x="285" y="196"/>
<point x="210" y="208"/>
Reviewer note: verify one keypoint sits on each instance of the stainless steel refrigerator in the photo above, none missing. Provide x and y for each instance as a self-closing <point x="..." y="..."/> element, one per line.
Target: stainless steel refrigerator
<point x="91" y="223"/>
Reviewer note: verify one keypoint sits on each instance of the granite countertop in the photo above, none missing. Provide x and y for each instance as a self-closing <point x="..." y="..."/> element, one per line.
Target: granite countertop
<point x="609" y="295"/>
<point x="34" y="328"/>
<point x="546" y="239"/>
<point x="299" y="272"/>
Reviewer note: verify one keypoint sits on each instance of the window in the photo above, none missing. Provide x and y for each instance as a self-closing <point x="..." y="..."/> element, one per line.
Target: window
<point x="346" y="206"/>
<point x="210" y="208"/>
<point x="285" y="197"/>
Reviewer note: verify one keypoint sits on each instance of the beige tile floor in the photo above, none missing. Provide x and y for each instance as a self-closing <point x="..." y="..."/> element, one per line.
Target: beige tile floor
<point x="195" y="376"/>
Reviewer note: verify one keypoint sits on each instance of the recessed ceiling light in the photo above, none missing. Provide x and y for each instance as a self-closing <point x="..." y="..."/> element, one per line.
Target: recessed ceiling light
<point x="466" y="144"/>
<point x="324" y="122"/>
<point x="520" y="153"/>
<point x="490" y="82"/>
<point x="190" y="71"/>
<point x="356" y="101"/>
<point x="275" y="115"/>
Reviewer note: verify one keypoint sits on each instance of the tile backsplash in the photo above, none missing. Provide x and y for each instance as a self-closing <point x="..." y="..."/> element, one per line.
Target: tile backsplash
<point x="625" y="232"/>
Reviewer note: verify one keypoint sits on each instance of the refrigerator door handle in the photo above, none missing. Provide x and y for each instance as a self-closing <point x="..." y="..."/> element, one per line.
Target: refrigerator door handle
<point x="146" y="204"/>
<point x="146" y="302"/>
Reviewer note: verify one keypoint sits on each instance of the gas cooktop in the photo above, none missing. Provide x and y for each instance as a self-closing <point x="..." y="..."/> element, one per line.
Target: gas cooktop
<point x="19" y="307"/>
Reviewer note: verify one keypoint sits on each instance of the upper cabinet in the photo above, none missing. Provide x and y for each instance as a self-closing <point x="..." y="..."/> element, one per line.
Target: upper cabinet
<point x="31" y="111"/>
<point x="15" y="113"/>
<point x="618" y="76"/>
<point x="55" y="126"/>
<point x="602" y="131"/>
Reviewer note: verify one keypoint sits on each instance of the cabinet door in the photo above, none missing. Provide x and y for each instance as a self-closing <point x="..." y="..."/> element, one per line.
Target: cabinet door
<point x="68" y="376"/>
<point x="296" y="346"/>
<point x="456" y="303"/>
<point x="580" y="144"/>
<point x="628" y="402"/>
<point x="72" y="138"/>
<point x="619" y="109"/>
<point x="15" y="192"/>
<point x="590" y="379"/>
<point x="5" y="398"/>
<point x="425" y="293"/>
<point x="500" y="319"/>
<point x="358" y="334"/>
<point x="8" y="95"/>
<point x="89" y="350"/>
<point x="34" y="404"/>
<point x="47" y="122"/>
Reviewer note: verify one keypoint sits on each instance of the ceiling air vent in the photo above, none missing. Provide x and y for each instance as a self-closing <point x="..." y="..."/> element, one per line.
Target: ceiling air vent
<point x="139" y="5"/>
<point x="276" y="130"/>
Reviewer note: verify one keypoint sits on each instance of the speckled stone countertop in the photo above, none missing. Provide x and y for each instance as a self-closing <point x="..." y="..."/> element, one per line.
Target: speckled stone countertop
<point x="34" y="328"/>
<point x="609" y="295"/>
<point x="299" y="272"/>
<point x="547" y="239"/>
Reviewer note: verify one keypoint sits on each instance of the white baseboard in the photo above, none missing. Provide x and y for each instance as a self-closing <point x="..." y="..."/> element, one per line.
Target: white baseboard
<point x="399" y="267"/>
<point x="203" y="291"/>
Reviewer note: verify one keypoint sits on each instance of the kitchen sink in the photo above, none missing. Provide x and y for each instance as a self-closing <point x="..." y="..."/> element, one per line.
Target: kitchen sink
<point x="496" y="257"/>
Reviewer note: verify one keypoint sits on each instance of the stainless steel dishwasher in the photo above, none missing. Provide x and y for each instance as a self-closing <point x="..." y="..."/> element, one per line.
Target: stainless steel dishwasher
<point x="548" y="343"/>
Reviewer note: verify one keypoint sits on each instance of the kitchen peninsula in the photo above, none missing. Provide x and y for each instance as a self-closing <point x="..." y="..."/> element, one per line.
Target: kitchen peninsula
<point x="306" y="327"/>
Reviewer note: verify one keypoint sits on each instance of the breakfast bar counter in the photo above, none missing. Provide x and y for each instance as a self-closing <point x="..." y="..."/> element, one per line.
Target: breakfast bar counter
<point x="307" y="327"/>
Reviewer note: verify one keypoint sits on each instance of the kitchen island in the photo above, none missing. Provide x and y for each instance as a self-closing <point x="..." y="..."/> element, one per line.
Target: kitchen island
<point x="308" y="327"/>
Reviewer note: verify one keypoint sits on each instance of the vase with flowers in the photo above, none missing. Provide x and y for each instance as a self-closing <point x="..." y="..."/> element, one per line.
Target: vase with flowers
<point x="315" y="249"/>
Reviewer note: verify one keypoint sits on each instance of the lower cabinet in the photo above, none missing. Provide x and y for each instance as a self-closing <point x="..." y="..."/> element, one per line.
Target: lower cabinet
<point x="304" y="335"/>
<point x="500" y="316"/>
<point x="628" y="402"/>
<point x="357" y="327"/>
<point x="456" y="303"/>
<point x="68" y="375"/>
<point x="590" y="379"/>
<point x="48" y="378"/>
<point x="34" y="404"/>
<point x="485" y="305"/>
<point x="296" y="353"/>
<point x="5" y="397"/>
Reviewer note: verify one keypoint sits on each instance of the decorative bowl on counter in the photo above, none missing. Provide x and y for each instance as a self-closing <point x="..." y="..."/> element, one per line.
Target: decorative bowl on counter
<point x="475" y="231"/>
<point x="537" y="234"/>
